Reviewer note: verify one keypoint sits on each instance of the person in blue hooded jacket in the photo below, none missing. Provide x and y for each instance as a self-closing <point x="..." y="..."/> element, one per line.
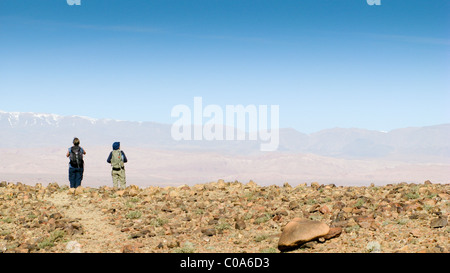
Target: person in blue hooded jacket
<point x="117" y="158"/>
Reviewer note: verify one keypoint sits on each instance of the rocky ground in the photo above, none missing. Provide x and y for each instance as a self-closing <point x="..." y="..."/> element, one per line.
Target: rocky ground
<point x="229" y="217"/>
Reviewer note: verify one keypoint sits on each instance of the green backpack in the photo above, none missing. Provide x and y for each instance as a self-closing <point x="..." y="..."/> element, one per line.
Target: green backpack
<point x="117" y="160"/>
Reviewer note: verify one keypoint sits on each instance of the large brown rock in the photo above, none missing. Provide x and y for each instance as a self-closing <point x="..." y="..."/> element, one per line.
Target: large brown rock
<point x="300" y="231"/>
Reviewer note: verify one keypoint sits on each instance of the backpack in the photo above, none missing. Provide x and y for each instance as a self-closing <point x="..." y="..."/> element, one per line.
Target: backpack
<point x="76" y="157"/>
<point x="117" y="160"/>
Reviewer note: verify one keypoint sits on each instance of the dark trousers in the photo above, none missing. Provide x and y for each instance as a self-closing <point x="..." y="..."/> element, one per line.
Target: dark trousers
<point x="75" y="176"/>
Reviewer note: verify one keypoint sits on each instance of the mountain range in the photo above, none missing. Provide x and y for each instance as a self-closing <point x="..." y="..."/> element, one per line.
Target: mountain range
<point x="33" y="148"/>
<point x="414" y="144"/>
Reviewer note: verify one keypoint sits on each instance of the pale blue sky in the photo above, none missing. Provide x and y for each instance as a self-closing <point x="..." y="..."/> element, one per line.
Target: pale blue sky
<point x="327" y="63"/>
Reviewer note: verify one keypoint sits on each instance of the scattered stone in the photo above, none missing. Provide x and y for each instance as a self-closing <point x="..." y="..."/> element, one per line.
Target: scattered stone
<point x="79" y="190"/>
<point x="225" y="217"/>
<point x="324" y="209"/>
<point x="314" y="208"/>
<point x="21" y="250"/>
<point x="56" y="216"/>
<point x="293" y="205"/>
<point x="173" y="243"/>
<point x="3" y="247"/>
<point x="365" y="222"/>
<point x="373" y="247"/>
<point x="137" y="234"/>
<point x="73" y="247"/>
<point x="334" y="232"/>
<point x="416" y="233"/>
<point x="240" y="224"/>
<point x="120" y="192"/>
<point x="209" y="231"/>
<point x="439" y="222"/>
<point x="130" y="248"/>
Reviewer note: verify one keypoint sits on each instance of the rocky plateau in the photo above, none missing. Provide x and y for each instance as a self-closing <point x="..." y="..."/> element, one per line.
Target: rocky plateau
<point x="225" y="217"/>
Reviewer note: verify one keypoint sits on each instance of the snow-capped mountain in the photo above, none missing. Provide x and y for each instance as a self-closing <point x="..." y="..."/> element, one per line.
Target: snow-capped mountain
<point x="36" y="129"/>
<point x="416" y="144"/>
<point x="18" y="119"/>
<point x="33" y="147"/>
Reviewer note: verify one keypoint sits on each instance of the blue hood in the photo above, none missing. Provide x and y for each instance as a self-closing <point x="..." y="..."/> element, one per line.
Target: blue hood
<point x="116" y="145"/>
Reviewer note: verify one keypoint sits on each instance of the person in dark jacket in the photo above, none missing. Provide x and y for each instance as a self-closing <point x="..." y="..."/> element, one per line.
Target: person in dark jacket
<point x="117" y="158"/>
<point x="76" y="164"/>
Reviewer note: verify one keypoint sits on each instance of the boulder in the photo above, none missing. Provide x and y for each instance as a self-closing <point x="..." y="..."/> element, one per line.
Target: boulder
<point x="300" y="231"/>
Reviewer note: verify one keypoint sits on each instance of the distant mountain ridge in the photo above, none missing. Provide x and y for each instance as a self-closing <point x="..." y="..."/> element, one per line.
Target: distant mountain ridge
<point x="414" y="144"/>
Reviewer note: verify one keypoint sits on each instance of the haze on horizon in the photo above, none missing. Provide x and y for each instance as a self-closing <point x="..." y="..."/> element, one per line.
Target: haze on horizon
<point x="34" y="146"/>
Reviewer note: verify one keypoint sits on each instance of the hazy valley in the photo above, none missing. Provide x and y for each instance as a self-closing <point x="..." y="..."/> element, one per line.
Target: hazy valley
<point x="33" y="148"/>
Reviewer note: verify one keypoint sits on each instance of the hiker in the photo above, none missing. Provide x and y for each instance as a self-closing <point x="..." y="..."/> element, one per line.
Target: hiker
<point x="76" y="164"/>
<point x="117" y="159"/>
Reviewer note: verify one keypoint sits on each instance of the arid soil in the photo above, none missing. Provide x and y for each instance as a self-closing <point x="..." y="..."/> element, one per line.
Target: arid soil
<point x="219" y="217"/>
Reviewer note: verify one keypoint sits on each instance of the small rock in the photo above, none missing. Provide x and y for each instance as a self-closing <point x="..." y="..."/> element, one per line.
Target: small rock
<point x="309" y="245"/>
<point x="339" y="223"/>
<point x="120" y="192"/>
<point x="444" y="196"/>
<point x="334" y="232"/>
<point x="166" y="209"/>
<point x="339" y="205"/>
<point x="56" y="216"/>
<point x="276" y="218"/>
<point x="2" y="247"/>
<point x="439" y="222"/>
<point x="365" y="222"/>
<point x="404" y="249"/>
<point x="73" y="247"/>
<point x="314" y="208"/>
<point x="282" y="212"/>
<point x="209" y="231"/>
<point x="324" y="210"/>
<point x="240" y="224"/>
<point x="79" y="190"/>
<point x="21" y="250"/>
<point x="173" y="243"/>
<point x="137" y="234"/>
<point x="416" y="233"/>
<point x="373" y="247"/>
<point x="132" y="192"/>
<point x="128" y="249"/>
<point x="293" y="205"/>
<point x="347" y="209"/>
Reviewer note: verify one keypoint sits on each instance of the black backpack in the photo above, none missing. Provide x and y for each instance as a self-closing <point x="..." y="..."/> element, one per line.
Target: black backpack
<point x="76" y="157"/>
